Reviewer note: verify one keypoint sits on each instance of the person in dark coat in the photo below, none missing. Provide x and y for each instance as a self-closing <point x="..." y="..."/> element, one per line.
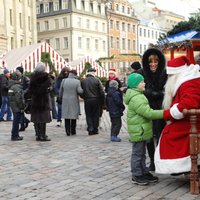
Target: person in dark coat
<point x="112" y="76"/>
<point x="94" y="98"/>
<point x="154" y="73"/>
<point x="5" y="106"/>
<point x="15" y="94"/>
<point x="25" y="81"/>
<point x="40" y="86"/>
<point x="115" y="107"/>
<point x="63" y="74"/>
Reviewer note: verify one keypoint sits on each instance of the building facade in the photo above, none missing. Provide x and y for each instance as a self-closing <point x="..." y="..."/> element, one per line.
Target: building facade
<point x="17" y="24"/>
<point x="74" y="28"/>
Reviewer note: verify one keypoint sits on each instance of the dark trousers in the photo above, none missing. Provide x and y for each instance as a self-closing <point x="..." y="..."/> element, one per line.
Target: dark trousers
<point x="158" y="126"/>
<point x="24" y="121"/>
<point x="70" y="126"/>
<point x="116" y="124"/>
<point x="40" y="130"/>
<point x="15" y="124"/>
<point x="92" y="112"/>
<point x="138" y="159"/>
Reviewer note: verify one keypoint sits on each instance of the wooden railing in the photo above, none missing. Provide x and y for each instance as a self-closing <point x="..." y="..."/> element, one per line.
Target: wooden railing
<point x="194" y="150"/>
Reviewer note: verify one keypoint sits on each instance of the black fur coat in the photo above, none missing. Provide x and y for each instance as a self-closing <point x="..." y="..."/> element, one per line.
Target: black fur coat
<point x="40" y="84"/>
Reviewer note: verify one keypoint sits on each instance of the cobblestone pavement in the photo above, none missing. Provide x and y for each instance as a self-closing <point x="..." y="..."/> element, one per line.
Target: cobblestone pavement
<point x="76" y="167"/>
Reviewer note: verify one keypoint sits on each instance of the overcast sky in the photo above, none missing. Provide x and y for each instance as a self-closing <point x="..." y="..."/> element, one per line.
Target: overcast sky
<point x="182" y="7"/>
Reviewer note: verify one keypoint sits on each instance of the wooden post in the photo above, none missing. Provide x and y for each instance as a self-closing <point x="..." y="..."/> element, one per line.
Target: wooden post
<point x="194" y="150"/>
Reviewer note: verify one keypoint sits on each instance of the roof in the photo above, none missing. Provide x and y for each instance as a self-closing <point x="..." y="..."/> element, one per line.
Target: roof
<point x="182" y="36"/>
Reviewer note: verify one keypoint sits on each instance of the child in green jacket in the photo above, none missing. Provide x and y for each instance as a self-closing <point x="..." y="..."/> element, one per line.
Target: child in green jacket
<point x="139" y="121"/>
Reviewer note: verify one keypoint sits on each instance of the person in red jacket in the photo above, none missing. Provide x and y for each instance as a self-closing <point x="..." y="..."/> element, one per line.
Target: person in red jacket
<point x="182" y="91"/>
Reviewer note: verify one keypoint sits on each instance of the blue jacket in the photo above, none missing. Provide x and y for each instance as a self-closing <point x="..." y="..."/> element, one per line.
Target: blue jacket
<point x="114" y="102"/>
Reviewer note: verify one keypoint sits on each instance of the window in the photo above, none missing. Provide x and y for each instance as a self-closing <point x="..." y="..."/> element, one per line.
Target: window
<point x="140" y="31"/>
<point x="103" y="27"/>
<point x="111" y="42"/>
<point x="79" y="42"/>
<point x="118" y="44"/>
<point x="12" y="42"/>
<point x="96" y="45"/>
<point x="152" y="34"/>
<point x="104" y="45"/>
<point x="96" y="25"/>
<point x="88" y="43"/>
<point x="38" y="26"/>
<point x="29" y="23"/>
<point x="148" y="33"/>
<point x="129" y="11"/>
<point x="129" y="27"/>
<point x="133" y="28"/>
<point x="117" y="7"/>
<point x="88" y="24"/>
<point x="11" y="17"/>
<point x="123" y="26"/>
<point x="111" y="23"/>
<point x="56" y="24"/>
<point x="66" y="43"/>
<point x="56" y="5"/>
<point x="38" y="9"/>
<point x="65" y="22"/>
<point x="117" y="25"/>
<point x="46" y="7"/>
<point x="129" y="44"/>
<point x="144" y="32"/>
<point x="65" y="4"/>
<point x="123" y="9"/>
<point x="46" y="25"/>
<point x="21" y="43"/>
<point x="79" y="22"/>
<point x="57" y="43"/>
<point x="134" y="45"/>
<point x="20" y="20"/>
<point x="123" y="43"/>
<point x="47" y="41"/>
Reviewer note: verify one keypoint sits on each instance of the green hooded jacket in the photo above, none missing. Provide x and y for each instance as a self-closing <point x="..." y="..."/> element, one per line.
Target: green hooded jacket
<point x="140" y="115"/>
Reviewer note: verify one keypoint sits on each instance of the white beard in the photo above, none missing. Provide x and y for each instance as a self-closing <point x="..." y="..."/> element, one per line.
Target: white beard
<point x="169" y="91"/>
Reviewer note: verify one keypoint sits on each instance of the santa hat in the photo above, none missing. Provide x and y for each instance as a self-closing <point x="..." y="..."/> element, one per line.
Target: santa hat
<point x="112" y="71"/>
<point x="177" y="65"/>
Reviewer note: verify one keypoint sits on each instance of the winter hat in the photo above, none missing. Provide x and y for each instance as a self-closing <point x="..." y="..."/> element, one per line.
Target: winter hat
<point x="15" y="76"/>
<point x="113" y="83"/>
<point x="134" y="80"/>
<point x="136" y="65"/>
<point x="5" y="71"/>
<point x="40" y="67"/>
<point x="112" y="71"/>
<point x="177" y="65"/>
<point x="21" y="69"/>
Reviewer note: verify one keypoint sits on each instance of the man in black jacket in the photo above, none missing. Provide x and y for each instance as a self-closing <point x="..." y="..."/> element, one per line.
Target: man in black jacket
<point x="94" y="97"/>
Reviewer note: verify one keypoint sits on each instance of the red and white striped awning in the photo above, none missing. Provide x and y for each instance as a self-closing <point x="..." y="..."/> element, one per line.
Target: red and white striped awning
<point x="29" y="56"/>
<point x="79" y="66"/>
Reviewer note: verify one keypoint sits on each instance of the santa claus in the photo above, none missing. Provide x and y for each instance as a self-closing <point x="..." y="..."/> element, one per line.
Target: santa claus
<point x="182" y="91"/>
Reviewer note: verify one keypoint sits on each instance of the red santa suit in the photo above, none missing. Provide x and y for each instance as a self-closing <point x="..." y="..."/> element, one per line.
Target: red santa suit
<point x="172" y="154"/>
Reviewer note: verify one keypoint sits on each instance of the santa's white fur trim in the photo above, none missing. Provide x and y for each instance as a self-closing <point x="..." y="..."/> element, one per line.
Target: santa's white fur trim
<point x="173" y="70"/>
<point x="191" y="72"/>
<point x="169" y="166"/>
<point x="175" y="113"/>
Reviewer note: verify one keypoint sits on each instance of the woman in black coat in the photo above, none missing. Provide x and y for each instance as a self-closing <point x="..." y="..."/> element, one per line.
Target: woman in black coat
<point x="155" y="77"/>
<point x="40" y="86"/>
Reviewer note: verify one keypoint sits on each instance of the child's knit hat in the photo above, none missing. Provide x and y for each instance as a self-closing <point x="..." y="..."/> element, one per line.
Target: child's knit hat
<point x="113" y="83"/>
<point x="134" y="80"/>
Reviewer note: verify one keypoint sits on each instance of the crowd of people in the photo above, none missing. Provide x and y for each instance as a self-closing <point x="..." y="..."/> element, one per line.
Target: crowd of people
<point x="155" y="95"/>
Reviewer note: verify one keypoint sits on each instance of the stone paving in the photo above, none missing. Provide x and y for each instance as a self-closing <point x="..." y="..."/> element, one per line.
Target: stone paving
<point x="78" y="167"/>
